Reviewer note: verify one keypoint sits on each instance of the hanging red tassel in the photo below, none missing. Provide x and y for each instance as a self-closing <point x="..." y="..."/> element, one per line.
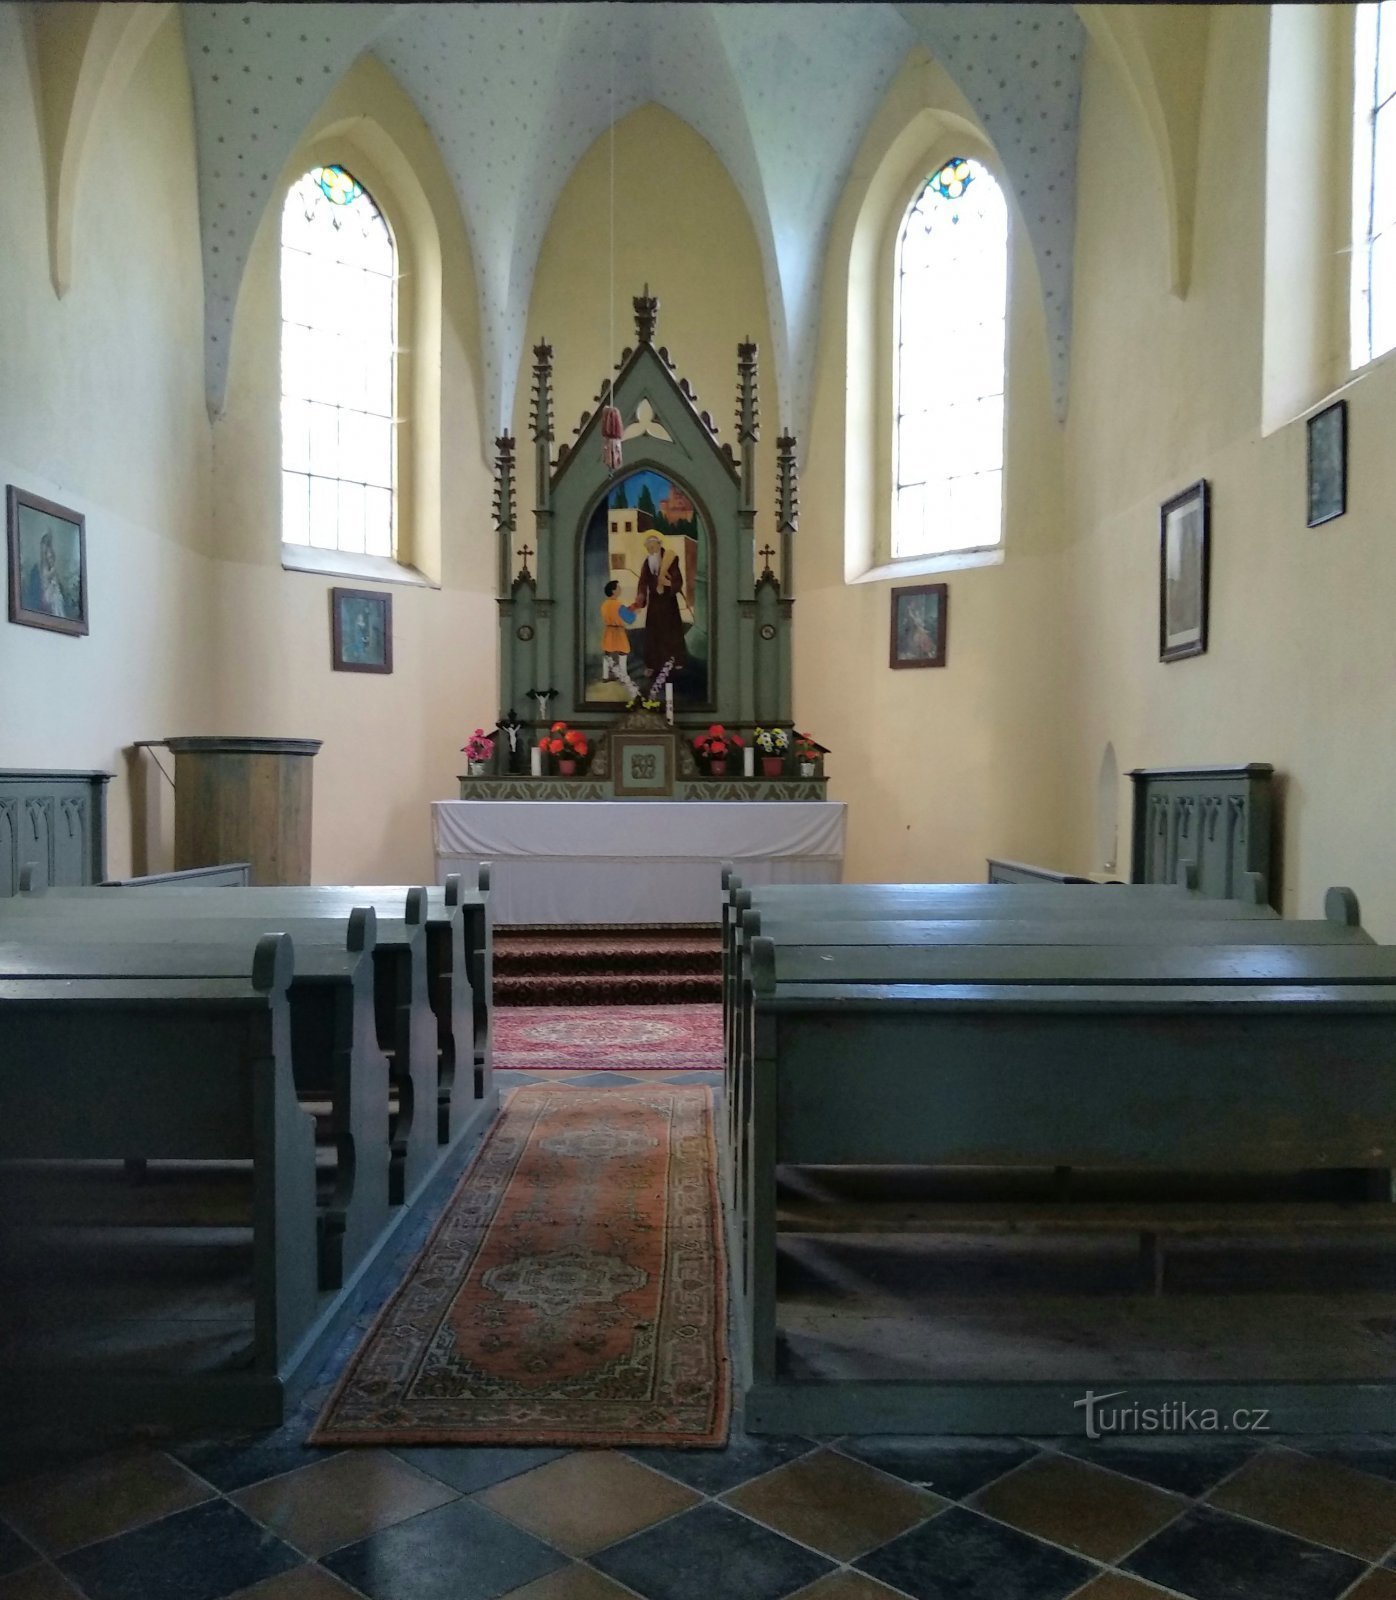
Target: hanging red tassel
<point x="611" y="430"/>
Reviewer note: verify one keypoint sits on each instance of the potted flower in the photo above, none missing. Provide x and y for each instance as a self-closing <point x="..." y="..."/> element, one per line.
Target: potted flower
<point x="713" y="747"/>
<point x="478" y="748"/>
<point x="807" y="753"/>
<point x="772" y="743"/>
<point x="567" y="746"/>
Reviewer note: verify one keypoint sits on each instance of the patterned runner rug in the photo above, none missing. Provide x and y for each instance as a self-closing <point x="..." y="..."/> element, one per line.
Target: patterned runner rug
<point x="608" y="1038"/>
<point x="573" y="1292"/>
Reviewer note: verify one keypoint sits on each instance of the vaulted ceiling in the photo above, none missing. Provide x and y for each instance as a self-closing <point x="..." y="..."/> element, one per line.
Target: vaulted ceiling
<point x="514" y="94"/>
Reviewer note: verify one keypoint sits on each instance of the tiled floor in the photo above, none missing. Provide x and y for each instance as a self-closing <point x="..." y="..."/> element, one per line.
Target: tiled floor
<point x="765" y="1519"/>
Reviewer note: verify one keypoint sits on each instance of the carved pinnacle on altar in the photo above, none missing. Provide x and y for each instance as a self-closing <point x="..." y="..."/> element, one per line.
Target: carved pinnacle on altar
<point x="542" y="416"/>
<point x="787" y="505"/>
<point x="504" y="483"/>
<point x="646" y="315"/>
<point x="747" y="420"/>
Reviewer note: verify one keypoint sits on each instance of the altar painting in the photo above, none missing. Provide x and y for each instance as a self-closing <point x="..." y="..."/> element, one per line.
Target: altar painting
<point x="645" y="593"/>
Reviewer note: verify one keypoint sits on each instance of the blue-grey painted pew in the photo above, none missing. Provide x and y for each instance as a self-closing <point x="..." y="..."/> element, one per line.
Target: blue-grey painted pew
<point x="187" y="1064"/>
<point x="404" y="1023"/>
<point x="1134" y="1076"/>
<point x="944" y="901"/>
<point x="1341" y="926"/>
<point x="335" y="1054"/>
<point x="227" y="875"/>
<point x="460" y="977"/>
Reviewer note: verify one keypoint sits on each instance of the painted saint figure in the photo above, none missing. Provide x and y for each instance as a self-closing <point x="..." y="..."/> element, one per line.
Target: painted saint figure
<point x="657" y="593"/>
<point x="43" y="587"/>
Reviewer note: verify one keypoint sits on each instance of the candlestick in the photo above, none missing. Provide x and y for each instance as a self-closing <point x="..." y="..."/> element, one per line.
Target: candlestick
<point x="669" y="702"/>
<point x="748" y="762"/>
<point x="535" y="757"/>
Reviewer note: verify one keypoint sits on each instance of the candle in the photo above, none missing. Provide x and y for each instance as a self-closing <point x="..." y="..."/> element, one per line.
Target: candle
<point x="748" y="761"/>
<point x="669" y="701"/>
<point x="535" y="757"/>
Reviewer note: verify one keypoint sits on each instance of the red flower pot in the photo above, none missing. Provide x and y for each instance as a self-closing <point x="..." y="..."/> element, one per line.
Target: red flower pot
<point x="772" y="766"/>
<point x="566" y="767"/>
<point x="718" y="766"/>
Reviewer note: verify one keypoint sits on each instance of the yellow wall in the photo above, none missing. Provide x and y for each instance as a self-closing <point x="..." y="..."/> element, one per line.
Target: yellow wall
<point x="1299" y="668"/>
<point x="944" y="766"/>
<point x="681" y="227"/>
<point x="390" y="742"/>
<point x="101" y="409"/>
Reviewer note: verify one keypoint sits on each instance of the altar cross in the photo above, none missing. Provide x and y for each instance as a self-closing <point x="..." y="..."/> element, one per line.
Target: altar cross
<point x="524" y="554"/>
<point x="766" y="552"/>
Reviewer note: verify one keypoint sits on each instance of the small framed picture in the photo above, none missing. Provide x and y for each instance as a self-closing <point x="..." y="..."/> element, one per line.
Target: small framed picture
<point x="362" y="626"/>
<point x="919" y="615"/>
<point x="48" y="563"/>
<point x="1328" y="463"/>
<point x="1184" y="539"/>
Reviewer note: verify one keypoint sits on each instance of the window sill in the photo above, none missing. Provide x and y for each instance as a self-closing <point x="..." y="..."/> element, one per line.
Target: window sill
<point x="344" y="564"/>
<point x="919" y="566"/>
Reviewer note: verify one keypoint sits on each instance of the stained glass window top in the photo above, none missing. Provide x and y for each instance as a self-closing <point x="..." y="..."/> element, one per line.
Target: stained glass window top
<point x="951" y="181"/>
<point x="339" y="187"/>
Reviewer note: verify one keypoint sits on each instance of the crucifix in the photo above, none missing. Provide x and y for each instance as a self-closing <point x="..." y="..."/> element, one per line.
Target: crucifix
<point x="542" y="696"/>
<point x="511" y="728"/>
<point x="766" y="552"/>
<point x="524" y="554"/>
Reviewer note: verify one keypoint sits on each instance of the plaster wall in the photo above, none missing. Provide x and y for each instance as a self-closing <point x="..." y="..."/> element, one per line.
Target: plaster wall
<point x="681" y="227"/>
<point x="391" y="742"/>
<point x="944" y="766"/>
<point x="1300" y="669"/>
<point x="101" y="410"/>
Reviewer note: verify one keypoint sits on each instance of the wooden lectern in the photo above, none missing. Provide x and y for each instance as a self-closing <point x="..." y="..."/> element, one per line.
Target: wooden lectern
<point x="244" y="800"/>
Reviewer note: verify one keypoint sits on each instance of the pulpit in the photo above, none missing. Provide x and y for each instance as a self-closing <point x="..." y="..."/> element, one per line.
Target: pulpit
<point x="244" y="799"/>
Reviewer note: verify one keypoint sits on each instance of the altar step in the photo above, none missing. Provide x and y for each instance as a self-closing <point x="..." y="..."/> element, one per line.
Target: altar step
<point x="607" y="965"/>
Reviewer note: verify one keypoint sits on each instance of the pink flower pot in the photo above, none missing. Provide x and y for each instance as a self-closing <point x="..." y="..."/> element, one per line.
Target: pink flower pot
<point x="566" y="767"/>
<point x="718" y="766"/>
<point x="772" y="766"/>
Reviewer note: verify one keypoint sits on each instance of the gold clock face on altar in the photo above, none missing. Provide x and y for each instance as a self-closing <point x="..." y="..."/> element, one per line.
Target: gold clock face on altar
<point x="524" y="633"/>
<point x="768" y="630"/>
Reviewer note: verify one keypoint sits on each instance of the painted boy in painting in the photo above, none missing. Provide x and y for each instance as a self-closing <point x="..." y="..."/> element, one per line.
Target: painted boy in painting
<point x="615" y="641"/>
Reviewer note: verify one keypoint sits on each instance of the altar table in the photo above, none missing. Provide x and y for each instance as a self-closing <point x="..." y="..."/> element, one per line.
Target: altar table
<point x="556" y="861"/>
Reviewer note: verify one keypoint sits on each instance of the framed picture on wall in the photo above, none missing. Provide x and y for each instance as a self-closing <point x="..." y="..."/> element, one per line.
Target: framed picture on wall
<point x="1184" y="539"/>
<point x="48" y="563"/>
<point x="1328" y="463"/>
<point x="919" y="615"/>
<point x="361" y="623"/>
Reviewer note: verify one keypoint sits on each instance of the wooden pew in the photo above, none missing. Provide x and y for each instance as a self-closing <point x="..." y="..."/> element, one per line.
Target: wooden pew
<point x="948" y="936"/>
<point x="1182" y="1058"/>
<point x="335" y="1054"/>
<point x="943" y="901"/>
<point x="460" y="975"/>
<point x="404" y="1022"/>
<point x="105" y="1050"/>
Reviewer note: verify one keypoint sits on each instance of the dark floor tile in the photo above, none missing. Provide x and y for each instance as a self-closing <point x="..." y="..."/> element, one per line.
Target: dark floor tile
<point x="715" y="1471"/>
<point x="1186" y="1466"/>
<point x="14" y="1551"/>
<point x="459" y="1552"/>
<point x="237" y="1463"/>
<point x="1374" y="1453"/>
<point x="1211" y="1556"/>
<point x="472" y="1467"/>
<point x="1325" y="1501"/>
<point x="42" y="1582"/>
<point x="1079" y="1506"/>
<point x="202" y="1554"/>
<point x="602" y="1080"/>
<point x="709" y="1552"/>
<point x="960" y="1555"/>
<point x="948" y="1466"/>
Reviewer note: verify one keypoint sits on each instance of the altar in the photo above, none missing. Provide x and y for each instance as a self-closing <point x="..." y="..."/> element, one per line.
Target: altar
<point x="555" y="861"/>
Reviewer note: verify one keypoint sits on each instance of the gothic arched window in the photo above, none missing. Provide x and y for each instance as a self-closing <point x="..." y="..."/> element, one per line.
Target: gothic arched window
<point x="338" y="359"/>
<point x="950" y="319"/>
<point x="1374" y="184"/>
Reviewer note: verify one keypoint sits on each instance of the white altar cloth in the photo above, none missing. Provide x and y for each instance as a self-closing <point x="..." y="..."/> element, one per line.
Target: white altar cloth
<point x="633" y="860"/>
